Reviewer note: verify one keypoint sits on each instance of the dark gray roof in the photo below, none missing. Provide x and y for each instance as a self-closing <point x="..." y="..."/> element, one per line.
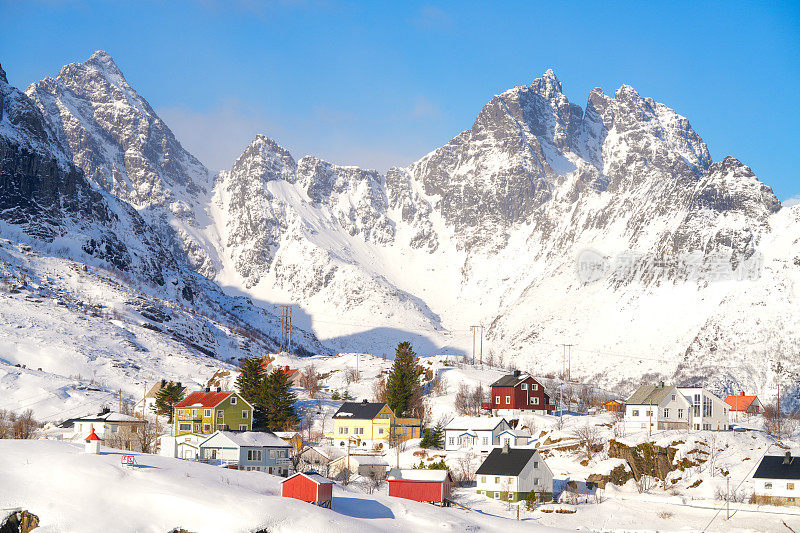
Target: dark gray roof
<point x="510" y="380"/>
<point x="649" y="395"/>
<point x="772" y="467"/>
<point x="506" y="464"/>
<point x="359" y="410"/>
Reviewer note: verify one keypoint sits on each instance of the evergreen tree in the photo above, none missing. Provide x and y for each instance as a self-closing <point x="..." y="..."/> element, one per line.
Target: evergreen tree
<point x="251" y="385"/>
<point x="403" y="390"/>
<point x="278" y="402"/>
<point x="433" y="438"/>
<point x="166" y="399"/>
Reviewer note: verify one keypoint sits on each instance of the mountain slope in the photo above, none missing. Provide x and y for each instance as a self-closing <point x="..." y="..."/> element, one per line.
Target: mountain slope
<point x="124" y="148"/>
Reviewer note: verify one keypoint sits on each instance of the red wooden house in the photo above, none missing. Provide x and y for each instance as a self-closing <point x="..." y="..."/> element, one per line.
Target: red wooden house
<point x="309" y="487"/>
<point x="615" y="406"/>
<point x="517" y="392"/>
<point x="420" y="485"/>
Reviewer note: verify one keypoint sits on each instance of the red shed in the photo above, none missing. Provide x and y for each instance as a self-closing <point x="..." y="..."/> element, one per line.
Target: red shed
<point x="309" y="487"/>
<point x="421" y="485"/>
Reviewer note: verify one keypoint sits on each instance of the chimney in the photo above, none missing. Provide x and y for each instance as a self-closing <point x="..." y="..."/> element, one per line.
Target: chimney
<point x="660" y="384"/>
<point x="787" y="458"/>
<point x="163" y="382"/>
<point x="741" y="393"/>
<point x="505" y="448"/>
<point x="208" y="389"/>
<point x="365" y="401"/>
<point x="516" y="373"/>
<point x="286" y="368"/>
<point x="219" y="389"/>
<point x="179" y="384"/>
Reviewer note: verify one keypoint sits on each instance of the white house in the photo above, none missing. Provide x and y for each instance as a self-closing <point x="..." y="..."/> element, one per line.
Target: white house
<point x="372" y="466"/>
<point x="513" y="438"/>
<point x="183" y="447"/>
<point x="479" y="434"/>
<point x="708" y="411"/>
<point x="248" y="450"/>
<point x="512" y="473"/>
<point x="657" y="407"/>
<point x="777" y="480"/>
<point x="107" y="424"/>
<point x="146" y="405"/>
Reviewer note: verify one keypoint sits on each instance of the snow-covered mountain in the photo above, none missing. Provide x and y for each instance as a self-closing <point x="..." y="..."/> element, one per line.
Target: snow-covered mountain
<point x="608" y="227"/>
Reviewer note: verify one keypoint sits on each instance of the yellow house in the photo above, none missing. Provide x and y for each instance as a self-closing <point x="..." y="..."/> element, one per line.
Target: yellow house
<point x="364" y="424"/>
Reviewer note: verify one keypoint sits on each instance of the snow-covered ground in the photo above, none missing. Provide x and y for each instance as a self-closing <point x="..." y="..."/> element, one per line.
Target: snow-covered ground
<point x="72" y="491"/>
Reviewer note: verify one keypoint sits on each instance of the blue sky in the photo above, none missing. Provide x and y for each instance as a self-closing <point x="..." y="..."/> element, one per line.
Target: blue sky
<point x="379" y="83"/>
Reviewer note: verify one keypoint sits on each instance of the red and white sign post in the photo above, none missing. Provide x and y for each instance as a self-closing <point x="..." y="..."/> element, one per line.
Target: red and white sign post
<point x="128" y="460"/>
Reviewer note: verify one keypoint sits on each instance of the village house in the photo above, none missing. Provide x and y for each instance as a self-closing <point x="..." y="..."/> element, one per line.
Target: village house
<point x="516" y="394"/>
<point x="370" y="424"/>
<point x="420" y="484"/>
<point x="657" y="407"/>
<point x="708" y="411"/>
<point x="514" y="438"/>
<point x="204" y="412"/>
<point x="317" y="458"/>
<point x="115" y="429"/>
<point x="479" y="434"/>
<point x="746" y="405"/>
<point x="777" y="480"/>
<point x="513" y="473"/>
<point x="293" y="375"/>
<point x="186" y="446"/>
<point x="147" y="404"/>
<point x="662" y="407"/>
<point x="370" y="466"/>
<point x="261" y="451"/>
<point x="614" y="406"/>
<point x="294" y="438"/>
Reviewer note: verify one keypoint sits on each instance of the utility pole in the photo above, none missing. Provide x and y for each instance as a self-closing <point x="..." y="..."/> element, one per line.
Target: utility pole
<point x="778" y="372"/>
<point x="286" y="328"/>
<point x="474" y="331"/>
<point x="120" y="400"/>
<point x="144" y="397"/>
<point x="728" y="497"/>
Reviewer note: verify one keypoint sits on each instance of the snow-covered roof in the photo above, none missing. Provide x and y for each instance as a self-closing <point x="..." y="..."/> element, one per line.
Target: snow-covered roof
<point x="365" y="460"/>
<point x="313" y="476"/>
<point x="475" y="423"/>
<point x="517" y="433"/>
<point x="109" y="417"/>
<point x="251" y="438"/>
<point x="417" y="474"/>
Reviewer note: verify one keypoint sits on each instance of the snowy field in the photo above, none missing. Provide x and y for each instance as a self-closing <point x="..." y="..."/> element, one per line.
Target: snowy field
<point x="72" y="491"/>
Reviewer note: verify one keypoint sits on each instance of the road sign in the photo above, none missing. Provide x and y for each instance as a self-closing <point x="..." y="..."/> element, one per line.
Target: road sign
<point x="128" y="460"/>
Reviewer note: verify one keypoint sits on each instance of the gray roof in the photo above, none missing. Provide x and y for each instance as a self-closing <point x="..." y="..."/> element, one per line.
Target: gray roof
<point x="506" y="463"/>
<point x="649" y="395"/>
<point x="359" y="410"/>
<point x="778" y="467"/>
<point x="252" y="439"/>
<point x="510" y="380"/>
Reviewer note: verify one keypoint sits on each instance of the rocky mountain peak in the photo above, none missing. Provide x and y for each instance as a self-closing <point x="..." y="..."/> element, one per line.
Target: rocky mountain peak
<point x="3" y="75"/>
<point x="547" y="85"/>
<point x="265" y="160"/>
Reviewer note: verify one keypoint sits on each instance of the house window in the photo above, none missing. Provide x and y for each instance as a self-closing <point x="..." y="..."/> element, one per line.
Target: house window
<point x="508" y="400"/>
<point x="452" y="440"/>
<point x="220" y="413"/>
<point x="114" y="428"/>
<point x="535" y="400"/>
<point x="649" y="413"/>
<point x="272" y="454"/>
<point x="244" y="414"/>
<point x="524" y="386"/>
<point x="380" y="431"/>
<point x="206" y="428"/>
<point x="635" y="412"/>
<point x="254" y="455"/>
<point x="483" y="479"/>
<point x="666" y="413"/>
<point x="221" y="427"/>
<point x="497" y="399"/>
<point x="213" y="454"/>
<point x="208" y="412"/>
<point x="680" y="413"/>
<point x="536" y="481"/>
<point x="233" y="400"/>
<point x="535" y="386"/>
<point x="180" y="412"/>
<point x="790" y="486"/>
<point x="384" y="416"/>
<point x="485" y="441"/>
<point x="358" y="431"/>
<point x="673" y="397"/>
<point x="506" y="440"/>
<point x="768" y="485"/>
<point x="242" y="427"/>
<point x="497" y="480"/>
<point x="194" y="412"/>
<point x="185" y="427"/>
<point x="536" y="464"/>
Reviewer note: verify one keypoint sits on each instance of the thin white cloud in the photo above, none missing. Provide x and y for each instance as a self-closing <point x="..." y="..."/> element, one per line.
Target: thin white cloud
<point x="433" y="18"/>
<point x="794" y="200"/>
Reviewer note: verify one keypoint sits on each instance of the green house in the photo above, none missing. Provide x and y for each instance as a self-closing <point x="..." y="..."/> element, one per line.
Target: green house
<point x="204" y="412"/>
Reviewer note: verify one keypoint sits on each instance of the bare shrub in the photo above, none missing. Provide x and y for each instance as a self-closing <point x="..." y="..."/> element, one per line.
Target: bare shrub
<point x="589" y="438"/>
<point x="310" y="380"/>
<point x="351" y="376"/>
<point x="665" y="515"/>
<point x="379" y="389"/>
